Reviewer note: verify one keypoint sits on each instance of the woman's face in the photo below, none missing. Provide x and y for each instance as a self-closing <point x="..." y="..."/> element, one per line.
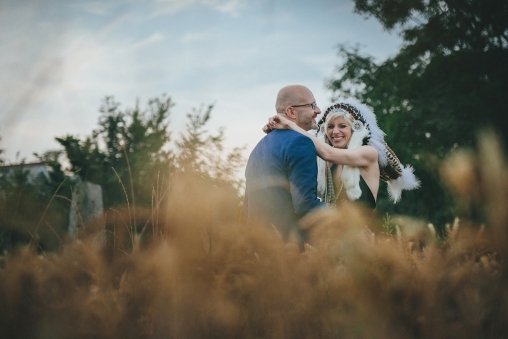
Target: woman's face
<point x="338" y="132"/>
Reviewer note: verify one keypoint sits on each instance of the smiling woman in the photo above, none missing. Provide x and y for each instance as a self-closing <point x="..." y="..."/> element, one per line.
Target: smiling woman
<point x="338" y="132"/>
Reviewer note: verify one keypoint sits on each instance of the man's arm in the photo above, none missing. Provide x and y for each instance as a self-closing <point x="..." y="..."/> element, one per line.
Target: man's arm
<point x="302" y="173"/>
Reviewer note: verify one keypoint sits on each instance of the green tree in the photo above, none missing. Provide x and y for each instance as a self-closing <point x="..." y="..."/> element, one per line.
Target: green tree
<point x="127" y="146"/>
<point x="203" y="153"/>
<point x="28" y="209"/>
<point x="133" y="145"/>
<point x="25" y="208"/>
<point x="447" y="81"/>
<point x="2" y="161"/>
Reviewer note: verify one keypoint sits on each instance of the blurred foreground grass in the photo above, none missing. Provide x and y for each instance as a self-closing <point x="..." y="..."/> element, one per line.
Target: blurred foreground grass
<point x="198" y="273"/>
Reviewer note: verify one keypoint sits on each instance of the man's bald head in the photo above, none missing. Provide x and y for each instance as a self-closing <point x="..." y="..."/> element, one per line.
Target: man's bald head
<point x="291" y="95"/>
<point x="297" y="103"/>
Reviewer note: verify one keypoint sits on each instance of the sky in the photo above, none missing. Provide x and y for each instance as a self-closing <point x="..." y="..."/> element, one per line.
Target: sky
<point x="60" y="58"/>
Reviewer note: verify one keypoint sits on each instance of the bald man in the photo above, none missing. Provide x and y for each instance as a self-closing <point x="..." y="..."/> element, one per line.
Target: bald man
<point x="281" y="171"/>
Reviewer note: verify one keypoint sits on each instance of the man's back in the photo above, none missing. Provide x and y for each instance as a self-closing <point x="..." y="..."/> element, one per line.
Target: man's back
<point x="281" y="180"/>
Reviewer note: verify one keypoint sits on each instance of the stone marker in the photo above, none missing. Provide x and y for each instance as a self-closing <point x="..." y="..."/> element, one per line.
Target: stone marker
<point x="87" y="208"/>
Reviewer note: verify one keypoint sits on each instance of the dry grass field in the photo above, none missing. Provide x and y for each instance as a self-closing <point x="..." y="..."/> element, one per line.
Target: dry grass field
<point x="196" y="272"/>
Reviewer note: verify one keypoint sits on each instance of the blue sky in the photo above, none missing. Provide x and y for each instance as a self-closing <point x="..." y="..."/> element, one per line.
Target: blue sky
<point x="60" y="58"/>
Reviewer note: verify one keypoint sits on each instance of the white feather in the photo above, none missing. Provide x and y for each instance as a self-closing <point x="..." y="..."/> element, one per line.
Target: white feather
<point x="321" y="178"/>
<point x="377" y="137"/>
<point x="321" y="173"/>
<point x="351" y="179"/>
<point x="407" y="181"/>
<point x="350" y="176"/>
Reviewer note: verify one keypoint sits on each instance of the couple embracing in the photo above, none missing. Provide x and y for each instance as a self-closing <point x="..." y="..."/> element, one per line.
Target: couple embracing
<point x="284" y="181"/>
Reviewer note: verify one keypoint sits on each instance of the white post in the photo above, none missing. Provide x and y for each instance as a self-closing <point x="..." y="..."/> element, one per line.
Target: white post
<point x="86" y="206"/>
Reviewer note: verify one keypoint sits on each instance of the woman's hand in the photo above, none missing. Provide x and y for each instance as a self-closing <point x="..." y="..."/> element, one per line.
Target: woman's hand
<point x="277" y="122"/>
<point x="266" y="128"/>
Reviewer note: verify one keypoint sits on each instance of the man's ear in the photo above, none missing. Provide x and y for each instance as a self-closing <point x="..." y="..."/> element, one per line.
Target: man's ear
<point x="290" y="113"/>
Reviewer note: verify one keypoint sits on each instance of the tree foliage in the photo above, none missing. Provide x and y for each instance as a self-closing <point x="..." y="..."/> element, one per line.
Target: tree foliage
<point x="200" y="152"/>
<point x="132" y="146"/>
<point x="129" y="142"/>
<point x="2" y="161"/>
<point x="447" y="81"/>
<point x="129" y="154"/>
<point x="28" y="208"/>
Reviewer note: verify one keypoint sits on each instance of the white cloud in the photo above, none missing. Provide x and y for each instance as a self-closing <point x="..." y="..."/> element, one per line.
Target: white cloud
<point x="325" y="62"/>
<point x="171" y="6"/>
<point x="149" y="41"/>
<point x="231" y="7"/>
<point x="196" y="36"/>
<point x="93" y="7"/>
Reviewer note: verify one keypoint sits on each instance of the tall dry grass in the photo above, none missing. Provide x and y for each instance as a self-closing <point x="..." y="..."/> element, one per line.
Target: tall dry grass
<point x="198" y="273"/>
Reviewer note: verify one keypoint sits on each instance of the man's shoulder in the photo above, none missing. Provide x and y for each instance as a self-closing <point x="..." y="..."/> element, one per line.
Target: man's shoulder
<point x="300" y="140"/>
<point x="288" y="136"/>
<point x="281" y="142"/>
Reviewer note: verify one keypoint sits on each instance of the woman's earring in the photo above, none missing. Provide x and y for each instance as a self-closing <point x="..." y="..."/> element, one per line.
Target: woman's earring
<point x="357" y="126"/>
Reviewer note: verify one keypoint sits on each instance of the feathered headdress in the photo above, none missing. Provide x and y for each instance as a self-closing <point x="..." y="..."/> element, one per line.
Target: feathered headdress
<point x="365" y="131"/>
